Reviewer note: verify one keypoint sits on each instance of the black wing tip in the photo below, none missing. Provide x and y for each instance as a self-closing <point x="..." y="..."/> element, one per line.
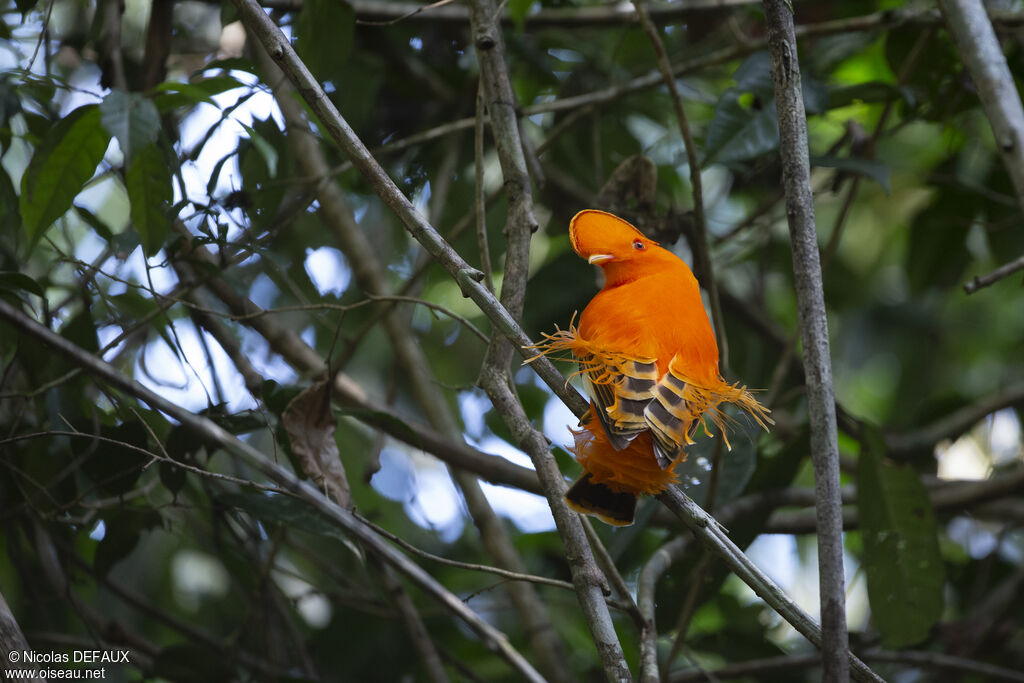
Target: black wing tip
<point x="613" y="507"/>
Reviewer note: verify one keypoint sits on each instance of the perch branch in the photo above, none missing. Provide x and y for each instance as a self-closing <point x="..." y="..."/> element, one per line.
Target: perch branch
<point x="796" y="174"/>
<point x="713" y="535"/>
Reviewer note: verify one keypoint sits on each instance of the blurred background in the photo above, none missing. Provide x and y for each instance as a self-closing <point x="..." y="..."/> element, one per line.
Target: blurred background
<point x="165" y="208"/>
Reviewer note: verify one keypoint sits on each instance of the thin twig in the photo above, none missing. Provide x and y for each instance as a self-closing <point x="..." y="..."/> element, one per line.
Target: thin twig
<point x="410" y="616"/>
<point x="955" y="423"/>
<point x="701" y="251"/>
<point x="371" y="274"/>
<point x="656" y="565"/>
<point x="1005" y="270"/>
<point x="481" y="193"/>
<point x="710" y="533"/>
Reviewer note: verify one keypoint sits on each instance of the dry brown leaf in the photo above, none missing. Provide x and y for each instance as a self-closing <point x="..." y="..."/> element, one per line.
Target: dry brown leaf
<point x="310" y="424"/>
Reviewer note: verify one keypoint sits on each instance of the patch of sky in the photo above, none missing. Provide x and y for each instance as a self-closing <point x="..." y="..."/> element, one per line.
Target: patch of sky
<point x="472" y="406"/>
<point x="270" y="365"/>
<point x="976" y="537"/>
<point x="263" y="291"/>
<point x="396" y="478"/>
<point x="529" y="512"/>
<point x="566" y="55"/>
<point x="328" y="270"/>
<point x="1004" y="437"/>
<point x="794" y="568"/>
<point x="435" y="504"/>
<point x="204" y="122"/>
<point x="308" y="335"/>
<point x="107" y="334"/>
<point x="187" y="379"/>
<point x="557" y="422"/>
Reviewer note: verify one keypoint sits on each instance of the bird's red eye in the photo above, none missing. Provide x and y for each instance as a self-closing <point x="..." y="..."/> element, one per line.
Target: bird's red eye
<point x="639" y="245"/>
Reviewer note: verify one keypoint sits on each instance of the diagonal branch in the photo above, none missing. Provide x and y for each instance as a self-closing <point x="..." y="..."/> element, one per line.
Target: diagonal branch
<point x="586" y="576"/>
<point x="467" y="277"/>
<point x="209" y="430"/>
<point x="710" y="533"/>
<point x="371" y="275"/>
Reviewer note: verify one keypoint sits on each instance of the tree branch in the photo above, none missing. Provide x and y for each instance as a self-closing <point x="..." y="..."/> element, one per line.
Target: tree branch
<point x="467" y="277"/>
<point x="796" y="176"/>
<point x="209" y="430"/>
<point x="1005" y="270"/>
<point x="658" y="563"/>
<point x="955" y="423"/>
<point x="947" y="498"/>
<point x="520" y="223"/>
<point x="976" y="40"/>
<point x="590" y="583"/>
<point x="371" y="276"/>
<point x="774" y="665"/>
<point x="12" y="640"/>
<point x="710" y="533"/>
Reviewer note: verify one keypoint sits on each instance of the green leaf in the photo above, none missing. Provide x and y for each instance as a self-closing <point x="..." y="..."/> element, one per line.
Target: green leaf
<point x="121" y="535"/>
<point x="94" y="222"/>
<point x="81" y="330"/>
<point x="25" y="6"/>
<point x="754" y="75"/>
<point x="737" y="466"/>
<point x="192" y="662"/>
<point x="148" y="181"/>
<point x="60" y="167"/>
<point x="323" y="33"/>
<point x="10" y="103"/>
<point x="19" y="282"/>
<point x="265" y="149"/>
<point x="171" y="95"/>
<point x="132" y="119"/>
<point x="742" y="127"/>
<point x="902" y="561"/>
<point x="291" y="512"/>
<point x="875" y="170"/>
<point x="10" y="222"/>
<point x="115" y="463"/>
<point x="936" y="255"/>
<point x="229" y="64"/>
<point x="518" y="10"/>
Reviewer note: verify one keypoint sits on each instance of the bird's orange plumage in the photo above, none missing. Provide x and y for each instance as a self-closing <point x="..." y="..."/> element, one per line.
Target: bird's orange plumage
<point x="648" y="355"/>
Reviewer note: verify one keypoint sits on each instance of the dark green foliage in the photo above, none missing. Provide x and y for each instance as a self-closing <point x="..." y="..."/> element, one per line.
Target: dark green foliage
<point x="108" y="504"/>
<point x="60" y="167"/>
<point x="901" y="550"/>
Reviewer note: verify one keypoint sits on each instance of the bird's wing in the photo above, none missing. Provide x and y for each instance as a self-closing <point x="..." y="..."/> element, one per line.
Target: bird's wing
<point x="621" y="388"/>
<point x="673" y="414"/>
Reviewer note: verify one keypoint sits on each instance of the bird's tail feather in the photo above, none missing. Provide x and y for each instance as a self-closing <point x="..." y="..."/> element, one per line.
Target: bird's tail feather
<point x="614" y="507"/>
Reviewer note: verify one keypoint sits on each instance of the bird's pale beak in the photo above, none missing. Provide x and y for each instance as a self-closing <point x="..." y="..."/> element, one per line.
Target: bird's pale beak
<point x="598" y="259"/>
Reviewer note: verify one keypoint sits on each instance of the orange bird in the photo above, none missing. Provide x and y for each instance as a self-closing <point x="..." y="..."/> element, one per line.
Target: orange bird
<point x="649" y="360"/>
